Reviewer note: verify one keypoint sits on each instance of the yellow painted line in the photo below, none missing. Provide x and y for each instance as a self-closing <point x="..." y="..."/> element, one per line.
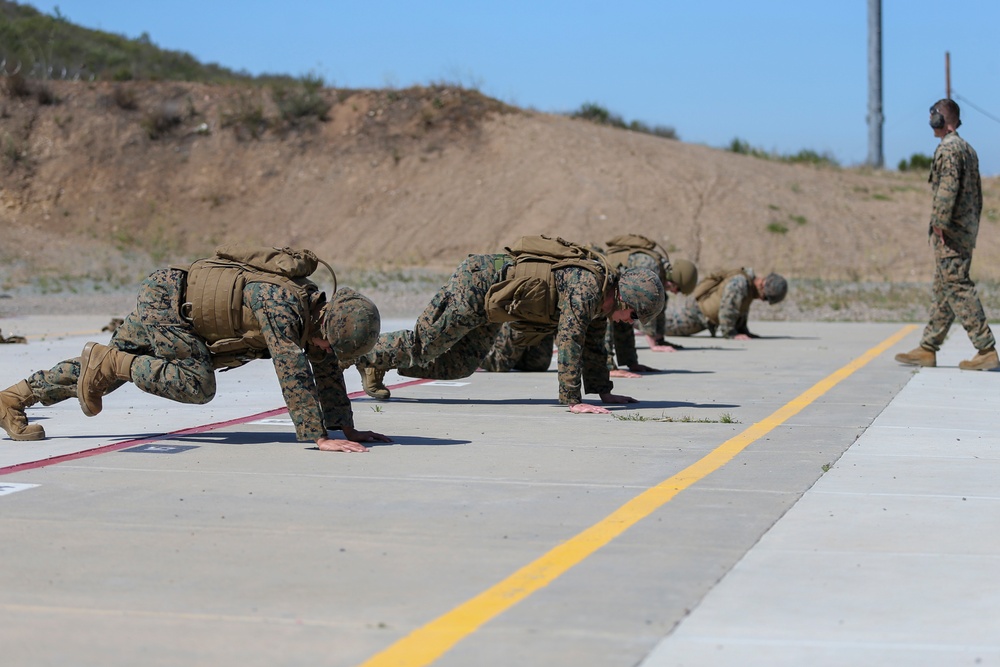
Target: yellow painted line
<point x="428" y="643"/>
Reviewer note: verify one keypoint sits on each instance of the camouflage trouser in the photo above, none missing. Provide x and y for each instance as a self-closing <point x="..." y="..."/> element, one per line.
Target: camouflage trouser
<point x="451" y="336"/>
<point x="954" y="296"/>
<point x="172" y="360"/>
<point x="506" y="356"/>
<point x="620" y="338"/>
<point x="684" y="319"/>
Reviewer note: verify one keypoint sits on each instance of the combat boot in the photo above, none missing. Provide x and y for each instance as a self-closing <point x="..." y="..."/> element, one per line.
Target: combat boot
<point x="983" y="361"/>
<point x="372" y="381"/>
<point x="918" y="356"/>
<point x="100" y="368"/>
<point x="13" y="401"/>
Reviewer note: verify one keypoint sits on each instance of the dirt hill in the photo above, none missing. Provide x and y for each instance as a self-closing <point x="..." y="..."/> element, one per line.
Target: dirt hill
<point x="105" y="181"/>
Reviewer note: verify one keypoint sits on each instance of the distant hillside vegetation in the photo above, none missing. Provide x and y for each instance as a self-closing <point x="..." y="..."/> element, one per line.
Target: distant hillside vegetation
<point x="36" y="45"/>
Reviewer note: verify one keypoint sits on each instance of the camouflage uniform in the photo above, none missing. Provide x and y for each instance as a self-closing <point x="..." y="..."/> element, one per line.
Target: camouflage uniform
<point x="452" y="336"/>
<point x="620" y="336"/>
<point x="687" y="318"/>
<point x="174" y="362"/>
<point x="958" y="202"/>
<point x="505" y="355"/>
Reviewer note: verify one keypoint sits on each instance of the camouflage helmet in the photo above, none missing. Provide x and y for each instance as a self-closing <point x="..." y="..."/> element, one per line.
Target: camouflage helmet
<point x="642" y="291"/>
<point x="351" y="324"/>
<point x="775" y="288"/>
<point x="684" y="274"/>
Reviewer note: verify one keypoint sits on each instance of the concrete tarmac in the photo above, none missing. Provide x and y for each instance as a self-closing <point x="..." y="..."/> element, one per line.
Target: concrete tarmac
<point x="800" y="499"/>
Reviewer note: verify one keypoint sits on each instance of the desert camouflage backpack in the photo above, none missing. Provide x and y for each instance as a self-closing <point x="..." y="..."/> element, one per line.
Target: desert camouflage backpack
<point x="527" y="297"/>
<point x="214" y="297"/>
<point x="620" y="247"/>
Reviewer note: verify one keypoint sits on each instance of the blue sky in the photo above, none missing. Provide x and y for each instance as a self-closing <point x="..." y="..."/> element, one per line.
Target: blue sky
<point x="783" y="75"/>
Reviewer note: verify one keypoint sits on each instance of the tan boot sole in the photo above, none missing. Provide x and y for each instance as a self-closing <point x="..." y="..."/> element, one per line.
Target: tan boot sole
<point x="81" y="385"/>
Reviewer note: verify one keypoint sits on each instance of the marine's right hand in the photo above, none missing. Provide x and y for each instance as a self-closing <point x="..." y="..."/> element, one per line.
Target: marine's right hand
<point x="331" y="445"/>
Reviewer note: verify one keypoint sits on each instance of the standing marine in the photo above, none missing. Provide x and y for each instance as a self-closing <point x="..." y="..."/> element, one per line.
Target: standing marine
<point x="954" y="226"/>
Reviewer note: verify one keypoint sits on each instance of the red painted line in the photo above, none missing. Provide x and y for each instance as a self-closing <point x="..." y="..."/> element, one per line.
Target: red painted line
<point x="30" y="465"/>
<point x="193" y="430"/>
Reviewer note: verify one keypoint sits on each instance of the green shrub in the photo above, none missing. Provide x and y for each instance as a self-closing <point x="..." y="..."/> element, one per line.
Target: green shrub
<point x="810" y="157"/>
<point x="14" y="152"/>
<point x="742" y="147"/>
<point x="246" y="116"/>
<point x="301" y="100"/>
<point x="917" y="162"/>
<point x="595" y="113"/>
<point x="806" y="155"/>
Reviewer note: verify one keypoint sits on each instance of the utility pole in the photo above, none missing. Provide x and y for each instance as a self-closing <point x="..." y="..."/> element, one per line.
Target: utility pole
<point x="875" y="158"/>
<point x="947" y="75"/>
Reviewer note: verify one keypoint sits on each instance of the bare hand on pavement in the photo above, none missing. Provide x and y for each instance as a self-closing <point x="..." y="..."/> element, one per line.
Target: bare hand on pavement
<point x="587" y="408"/>
<point x="331" y="445"/>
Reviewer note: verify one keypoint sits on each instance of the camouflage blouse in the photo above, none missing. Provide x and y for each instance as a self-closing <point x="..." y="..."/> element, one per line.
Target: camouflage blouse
<point x="958" y="193"/>
<point x="314" y="390"/>
<point x="580" y="335"/>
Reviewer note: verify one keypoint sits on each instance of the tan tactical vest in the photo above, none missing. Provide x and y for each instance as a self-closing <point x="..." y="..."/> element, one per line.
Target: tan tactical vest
<point x="709" y="294"/>
<point x="527" y="296"/>
<point x="214" y="306"/>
